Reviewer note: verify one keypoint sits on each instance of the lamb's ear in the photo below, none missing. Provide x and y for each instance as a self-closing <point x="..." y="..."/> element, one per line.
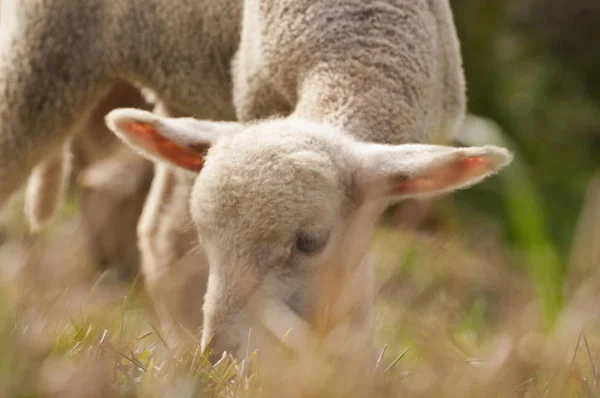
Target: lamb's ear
<point x="414" y="170"/>
<point x="182" y="142"/>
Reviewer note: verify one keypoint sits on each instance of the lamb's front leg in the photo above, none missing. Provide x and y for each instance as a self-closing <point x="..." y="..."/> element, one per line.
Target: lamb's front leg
<point x="175" y="269"/>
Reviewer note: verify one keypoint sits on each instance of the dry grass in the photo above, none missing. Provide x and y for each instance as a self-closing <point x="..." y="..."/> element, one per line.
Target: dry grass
<point x="456" y="318"/>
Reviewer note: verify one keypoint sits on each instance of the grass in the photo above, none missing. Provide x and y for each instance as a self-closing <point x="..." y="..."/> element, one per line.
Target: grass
<point x="460" y="313"/>
<point x="451" y="325"/>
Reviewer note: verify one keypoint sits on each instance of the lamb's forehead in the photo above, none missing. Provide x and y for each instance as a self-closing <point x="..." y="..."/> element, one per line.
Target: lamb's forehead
<point x="276" y="171"/>
<point x="283" y="135"/>
<point x="280" y="150"/>
<point x="291" y="124"/>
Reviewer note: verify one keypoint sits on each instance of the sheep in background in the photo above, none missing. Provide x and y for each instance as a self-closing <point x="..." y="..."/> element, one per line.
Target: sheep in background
<point x="58" y="60"/>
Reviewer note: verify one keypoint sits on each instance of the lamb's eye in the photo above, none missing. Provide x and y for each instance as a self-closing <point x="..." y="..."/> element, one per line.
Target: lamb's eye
<point x="311" y="242"/>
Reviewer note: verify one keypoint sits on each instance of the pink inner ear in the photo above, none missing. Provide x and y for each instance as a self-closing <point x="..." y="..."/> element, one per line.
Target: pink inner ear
<point x="448" y="175"/>
<point x="152" y="141"/>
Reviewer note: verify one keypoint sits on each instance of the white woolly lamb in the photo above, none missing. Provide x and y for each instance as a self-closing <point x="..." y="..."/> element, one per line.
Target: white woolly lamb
<point x="282" y="206"/>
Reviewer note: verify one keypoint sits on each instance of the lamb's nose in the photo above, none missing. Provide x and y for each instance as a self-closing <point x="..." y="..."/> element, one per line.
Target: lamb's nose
<point x="217" y="346"/>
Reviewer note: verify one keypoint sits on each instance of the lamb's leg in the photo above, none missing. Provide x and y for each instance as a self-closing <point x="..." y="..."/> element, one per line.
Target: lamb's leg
<point x="46" y="187"/>
<point x="113" y="184"/>
<point x="113" y="192"/>
<point x="175" y="270"/>
<point x="50" y="80"/>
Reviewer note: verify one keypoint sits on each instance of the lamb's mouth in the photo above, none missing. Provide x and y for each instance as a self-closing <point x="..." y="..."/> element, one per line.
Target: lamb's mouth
<point x="295" y="333"/>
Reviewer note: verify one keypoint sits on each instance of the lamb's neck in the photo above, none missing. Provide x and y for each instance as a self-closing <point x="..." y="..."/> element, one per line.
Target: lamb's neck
<point x="367" y="106"/>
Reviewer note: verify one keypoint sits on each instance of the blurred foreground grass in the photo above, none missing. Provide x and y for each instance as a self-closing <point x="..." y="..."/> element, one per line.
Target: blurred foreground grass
<point x="459" y="314"/>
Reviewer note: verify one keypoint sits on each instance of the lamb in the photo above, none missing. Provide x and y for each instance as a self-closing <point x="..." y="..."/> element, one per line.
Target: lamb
<point x="286" y="203"/>
<point x="388" y="72"/>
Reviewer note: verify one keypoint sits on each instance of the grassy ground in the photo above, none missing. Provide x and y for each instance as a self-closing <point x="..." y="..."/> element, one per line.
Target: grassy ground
<point x="460" y="313"/>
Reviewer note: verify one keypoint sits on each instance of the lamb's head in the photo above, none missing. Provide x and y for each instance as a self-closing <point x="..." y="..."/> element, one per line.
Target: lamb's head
<point x="284" y="208"/>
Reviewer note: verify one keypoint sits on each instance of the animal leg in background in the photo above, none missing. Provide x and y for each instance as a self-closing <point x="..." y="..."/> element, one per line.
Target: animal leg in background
<point x="114" y="182"/>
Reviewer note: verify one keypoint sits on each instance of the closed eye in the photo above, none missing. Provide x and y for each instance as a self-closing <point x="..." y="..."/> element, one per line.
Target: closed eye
<point x="311" y="242"/>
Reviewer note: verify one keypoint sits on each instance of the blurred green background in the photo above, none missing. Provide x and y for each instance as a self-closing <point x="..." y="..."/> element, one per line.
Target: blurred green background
<point x="533" y="67"/>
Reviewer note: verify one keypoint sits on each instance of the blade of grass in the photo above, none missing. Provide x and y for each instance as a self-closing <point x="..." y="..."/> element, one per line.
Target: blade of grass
<point x="162" y="340"/>
<point x="587" y="347"/>
<point x="119" y="338"/>
<point x="380" y="357"/>
<point x="101" y="342"/>
<point x="396" y="360"/>
<point x="143" y="336"/>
